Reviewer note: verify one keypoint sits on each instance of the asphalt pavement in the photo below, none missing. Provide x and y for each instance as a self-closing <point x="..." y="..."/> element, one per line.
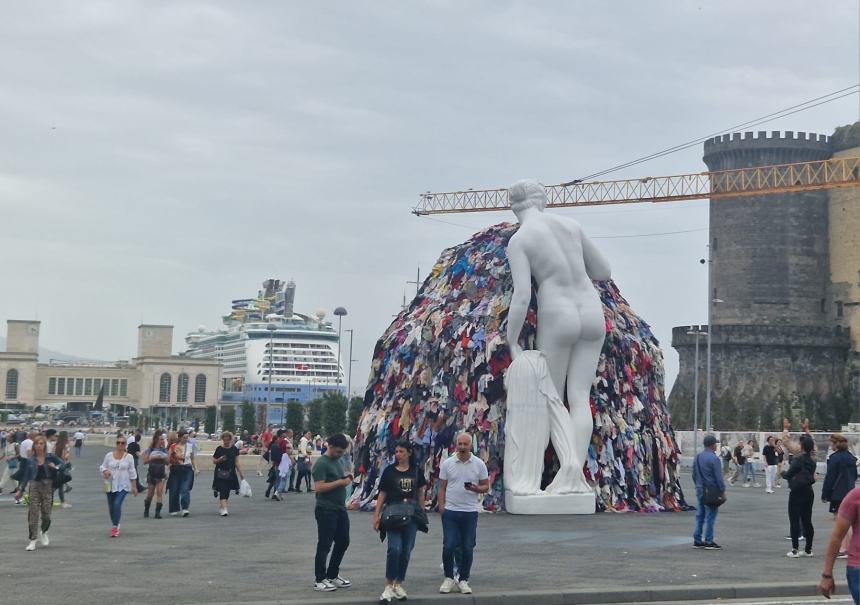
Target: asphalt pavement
<point x="263" y="553"/>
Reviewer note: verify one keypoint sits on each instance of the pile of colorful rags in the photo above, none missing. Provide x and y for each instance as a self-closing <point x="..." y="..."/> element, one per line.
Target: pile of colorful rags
<point x="439" y="368"/>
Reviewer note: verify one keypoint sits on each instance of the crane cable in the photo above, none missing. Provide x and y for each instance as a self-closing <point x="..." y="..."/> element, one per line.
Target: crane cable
<point x="828" y="98"/>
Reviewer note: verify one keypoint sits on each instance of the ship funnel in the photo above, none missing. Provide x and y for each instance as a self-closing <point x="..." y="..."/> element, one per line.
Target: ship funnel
<point x="289" y="299"/>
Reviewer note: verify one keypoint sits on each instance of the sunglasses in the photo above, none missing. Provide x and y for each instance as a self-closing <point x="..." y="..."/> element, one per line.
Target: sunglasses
<point x="120" y="442"/>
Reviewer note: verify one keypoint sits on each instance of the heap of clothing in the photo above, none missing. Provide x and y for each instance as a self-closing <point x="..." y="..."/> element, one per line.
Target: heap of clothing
<point x="439" y="369"/>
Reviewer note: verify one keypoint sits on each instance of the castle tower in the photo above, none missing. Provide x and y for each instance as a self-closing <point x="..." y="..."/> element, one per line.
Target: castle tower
<point x="775" y="349"/>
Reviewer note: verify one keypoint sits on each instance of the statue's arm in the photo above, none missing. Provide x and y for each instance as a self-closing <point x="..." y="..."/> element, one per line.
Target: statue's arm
<point x="596" y="265"/>
<point x="522" y="276"/>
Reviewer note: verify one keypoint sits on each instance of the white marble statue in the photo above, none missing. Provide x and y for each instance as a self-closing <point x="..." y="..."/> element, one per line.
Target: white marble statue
<point x="555" y="252"/>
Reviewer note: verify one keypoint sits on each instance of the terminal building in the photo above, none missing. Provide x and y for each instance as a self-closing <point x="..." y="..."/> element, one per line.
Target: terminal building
<point x="155" y="383"/>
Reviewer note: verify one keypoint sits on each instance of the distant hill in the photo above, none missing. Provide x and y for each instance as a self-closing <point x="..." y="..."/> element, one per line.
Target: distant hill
<point x="45" y="355"/>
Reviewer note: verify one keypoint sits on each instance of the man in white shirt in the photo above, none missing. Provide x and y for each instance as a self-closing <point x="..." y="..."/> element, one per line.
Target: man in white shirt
<point x="26" y="445"/>
<point x="79" y="442"/>
<point x="462" y="479"/>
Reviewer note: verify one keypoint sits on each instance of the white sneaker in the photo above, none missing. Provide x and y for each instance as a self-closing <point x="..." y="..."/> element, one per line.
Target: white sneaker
<point x="222" y="512"/>
<point x="31" y="545"/>
<point x="792" y="554"/>
<point x="464" y="587"/>
<point x="324" y="586"/>
<point x="340" y="582"/>
<point x="173" y="514"/>
<point x="66" y="505"/>
<point x="399" y="592"/>
<point x="768" y="491"/>
<point x="756" y="484"/>
<point x="387" y="595"/>
<point x="747" y="485"/>
<point x="185" y="512"/>
<point x="448" y="585"/>
<point x="807" y="554"/>
<point x="259" y="473"/>
<point x="44" y="538"/>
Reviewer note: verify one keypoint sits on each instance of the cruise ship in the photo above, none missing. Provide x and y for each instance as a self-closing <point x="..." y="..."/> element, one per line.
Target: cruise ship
<point x="263" y="334"/>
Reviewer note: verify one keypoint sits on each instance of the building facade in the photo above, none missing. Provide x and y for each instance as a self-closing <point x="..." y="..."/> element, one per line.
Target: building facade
<point x="155" y="383"/>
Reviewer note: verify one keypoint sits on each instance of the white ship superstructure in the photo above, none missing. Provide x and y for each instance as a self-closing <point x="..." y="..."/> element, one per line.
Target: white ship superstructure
<point x="266" y="333"/>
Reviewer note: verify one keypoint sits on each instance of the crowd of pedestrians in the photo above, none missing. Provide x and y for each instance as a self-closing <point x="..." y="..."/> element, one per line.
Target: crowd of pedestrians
<point x="838" y="491"/>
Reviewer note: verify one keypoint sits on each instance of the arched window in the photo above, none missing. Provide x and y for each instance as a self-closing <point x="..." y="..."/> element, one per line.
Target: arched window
<point x="12" y="384"/>
<point x="182" y="389"/>
<point x="164" y="389"/>
<point x="200" y="388"/>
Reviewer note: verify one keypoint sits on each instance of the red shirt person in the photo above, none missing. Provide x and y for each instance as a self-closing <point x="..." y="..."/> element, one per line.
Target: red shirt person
<point x="847" y="519"/>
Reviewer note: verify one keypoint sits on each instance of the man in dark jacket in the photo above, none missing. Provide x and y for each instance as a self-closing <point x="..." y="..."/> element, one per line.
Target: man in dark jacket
<point x="839" y="480"/>
<point x="706" y="471"/>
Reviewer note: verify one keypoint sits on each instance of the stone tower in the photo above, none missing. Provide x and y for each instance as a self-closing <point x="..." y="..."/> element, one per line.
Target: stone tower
<point x="776" y="347"/>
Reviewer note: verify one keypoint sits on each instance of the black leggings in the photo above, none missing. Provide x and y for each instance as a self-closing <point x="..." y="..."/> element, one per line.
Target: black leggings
<point x="223" y="494"/>
<point x="304" y="473"/>
<point x="800" y="503"/>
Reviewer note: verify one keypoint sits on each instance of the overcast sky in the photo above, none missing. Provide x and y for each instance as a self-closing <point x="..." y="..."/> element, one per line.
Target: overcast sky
<point x="158" y="159"/>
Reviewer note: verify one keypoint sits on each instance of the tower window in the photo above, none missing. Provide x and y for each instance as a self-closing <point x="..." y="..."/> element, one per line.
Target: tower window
<point x="839" y="309"/>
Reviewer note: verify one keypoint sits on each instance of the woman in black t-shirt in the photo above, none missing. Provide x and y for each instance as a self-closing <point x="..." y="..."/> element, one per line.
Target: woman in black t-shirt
<point x="225" y="480"/>
<point x="402" y="481"/>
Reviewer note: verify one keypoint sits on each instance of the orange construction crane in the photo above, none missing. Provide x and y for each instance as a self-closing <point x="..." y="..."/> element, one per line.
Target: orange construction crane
<point x="783" y="178"/>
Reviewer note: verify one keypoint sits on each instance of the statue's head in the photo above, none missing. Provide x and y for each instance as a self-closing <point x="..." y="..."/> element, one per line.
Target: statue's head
<point x="527" y="193"/>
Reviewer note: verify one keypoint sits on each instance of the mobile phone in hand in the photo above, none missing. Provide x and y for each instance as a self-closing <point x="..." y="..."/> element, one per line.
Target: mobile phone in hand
<point x="467" y="485"/>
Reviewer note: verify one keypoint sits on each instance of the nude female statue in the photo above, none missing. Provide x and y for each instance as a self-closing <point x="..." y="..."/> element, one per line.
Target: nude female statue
<point x="571" y="328"/>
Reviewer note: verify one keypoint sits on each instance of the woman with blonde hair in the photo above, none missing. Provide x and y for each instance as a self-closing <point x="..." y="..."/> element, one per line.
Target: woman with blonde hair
<point x="39" y="474"/>
<point x="120" y="477"/>
<point x="225" y="479"/>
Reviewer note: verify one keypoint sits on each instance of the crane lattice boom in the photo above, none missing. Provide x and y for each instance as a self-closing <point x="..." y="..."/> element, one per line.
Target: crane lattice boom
<point x="783" y="178"/>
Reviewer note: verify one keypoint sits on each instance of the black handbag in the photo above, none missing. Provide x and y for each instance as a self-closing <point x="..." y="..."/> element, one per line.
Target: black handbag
<point x="711" y="494"/>
<point x="223" y="474"/>
<point x="396" y="515"/>
<point x="63" y="475"/>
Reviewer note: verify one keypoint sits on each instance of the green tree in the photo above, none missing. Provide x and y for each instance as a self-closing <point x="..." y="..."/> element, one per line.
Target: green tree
<point x="296" y="417"/>
<point x="249" y="419"/>
<point x="356" y="407"/>
<point x="315" y="416"/>
<point x="230" y="420"/>
<point x="211" y="413"/>
<point x="334" y="413"/>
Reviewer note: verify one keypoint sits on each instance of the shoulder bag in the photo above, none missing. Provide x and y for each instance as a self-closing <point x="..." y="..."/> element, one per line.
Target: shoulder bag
<point x="397" y="515"/>
<point x="711" y="494"/>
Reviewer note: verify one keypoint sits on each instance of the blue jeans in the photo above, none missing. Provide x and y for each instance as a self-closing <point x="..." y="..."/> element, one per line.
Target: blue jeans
<point x="852" y="576"/>
<point x="749" y="472"/>
<point x="180" y="487"/>
<point x="400" y="544"/>
<point x="115" y="500"/>
<point x="459" y="532"/>
<point x="705" y="515"/>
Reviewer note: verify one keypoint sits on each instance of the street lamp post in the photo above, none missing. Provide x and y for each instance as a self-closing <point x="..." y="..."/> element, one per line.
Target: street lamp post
<point x="340" y="312"/>
<point x="712" y="300"/>
<point x="697" y="331"/>
<point x="271" y="328"/>
<point x="349" y="374"/>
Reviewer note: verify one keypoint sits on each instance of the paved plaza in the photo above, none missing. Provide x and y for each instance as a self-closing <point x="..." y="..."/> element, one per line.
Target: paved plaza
<point x="263" y="552"/>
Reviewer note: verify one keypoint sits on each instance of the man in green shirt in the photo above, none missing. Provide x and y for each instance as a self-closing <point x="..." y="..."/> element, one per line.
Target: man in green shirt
<point x="330" y="481"/>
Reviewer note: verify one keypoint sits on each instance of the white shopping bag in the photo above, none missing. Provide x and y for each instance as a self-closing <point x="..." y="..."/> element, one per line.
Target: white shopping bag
<point x="245" y="489"/>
